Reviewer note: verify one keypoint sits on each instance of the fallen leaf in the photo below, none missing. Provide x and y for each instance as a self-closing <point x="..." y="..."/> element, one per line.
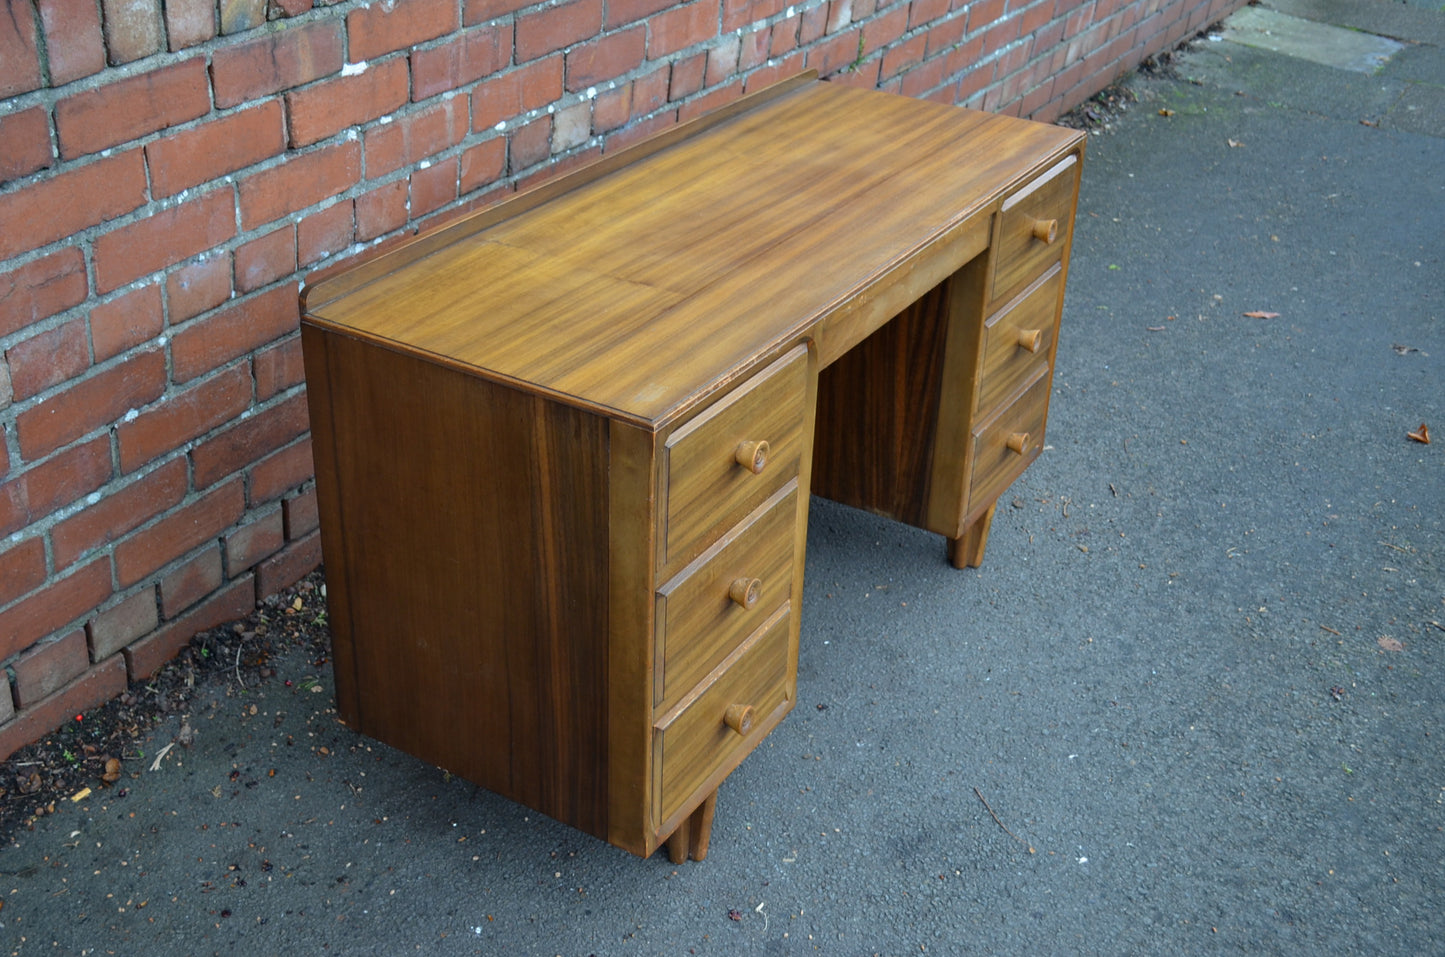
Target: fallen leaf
<point x="1260" y="314"/>
<point x="1406" y="350"/>
<point x="1390" y="644"/>
<point x="29" y="785"/>
<point x="1166" y="112"/>
<point x="112" y="771"/>
<point x="1422" y="435"/>
<point x="1235" y="144"/>
<point x="1155" y="328"/>
<point x="735" y="915"/>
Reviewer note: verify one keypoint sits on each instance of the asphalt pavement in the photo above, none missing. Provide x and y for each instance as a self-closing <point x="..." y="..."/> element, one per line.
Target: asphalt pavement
<point x="1193" y="702"/>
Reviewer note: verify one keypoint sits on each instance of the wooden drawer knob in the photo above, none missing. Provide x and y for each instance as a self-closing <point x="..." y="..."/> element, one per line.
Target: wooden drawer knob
<point x="746" y="591"/>
<point x="1046" y="230"/>
<point x="1031" y="339"/>
<point x="739" y="717"/>
<point x="1018" y="441"/>
<point x="752" y="456"/>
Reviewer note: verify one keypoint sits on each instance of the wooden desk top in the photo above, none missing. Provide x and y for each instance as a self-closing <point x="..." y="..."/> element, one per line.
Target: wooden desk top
<point x="639" y="285"/>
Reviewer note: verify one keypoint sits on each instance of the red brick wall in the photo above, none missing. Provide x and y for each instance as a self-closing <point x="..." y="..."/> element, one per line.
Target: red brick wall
<point x="170" y="171"/>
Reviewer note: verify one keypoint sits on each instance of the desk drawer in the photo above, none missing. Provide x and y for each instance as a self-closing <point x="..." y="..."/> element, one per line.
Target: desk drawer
<point x="723" y="463"/>
<point x="724" y="595"/>
<point x="1034" y="228"/>
<point x="1016" y="339"/>
<point x="1005" y="443"/>
<point x="713" y="729"/>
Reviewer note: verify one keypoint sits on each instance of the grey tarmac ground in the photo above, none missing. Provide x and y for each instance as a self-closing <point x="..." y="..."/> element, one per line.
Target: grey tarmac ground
<point x="1199" y="679"/>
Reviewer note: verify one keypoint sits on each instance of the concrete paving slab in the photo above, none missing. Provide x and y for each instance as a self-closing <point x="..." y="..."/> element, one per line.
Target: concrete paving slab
<point x="1419" y="22"/>
<point x="1322" y="43"/>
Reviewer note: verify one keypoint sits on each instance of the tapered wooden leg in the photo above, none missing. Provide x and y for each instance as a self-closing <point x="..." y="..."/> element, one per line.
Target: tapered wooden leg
<point x="966" y="551"/>
<point x="677" y="844"/>
<point x="692" y="835"/>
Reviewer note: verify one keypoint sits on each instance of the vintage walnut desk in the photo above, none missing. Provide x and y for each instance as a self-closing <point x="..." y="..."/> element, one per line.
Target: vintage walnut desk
<point x="564" y="446"/>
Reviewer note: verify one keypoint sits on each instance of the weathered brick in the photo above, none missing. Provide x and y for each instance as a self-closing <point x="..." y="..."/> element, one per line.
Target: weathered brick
<point x="24" y="143"/>
<point x="462" y="60"/>
<point x="183" y="416"/>
<point x="597" y="61"/>
<point x="483" y="164"/>
<point x="687" y="76"/>
<point x="198" y="286"/>
<point x="784" y="37"/>
<point x="164" y="239"/>
<point x="211" y="150"/>
<point x="381" y="210"/>
<point x="118" y="513"/>
<point x="553" y="28"/>
<point x="722" y="59"/>
<point x="19" y="51"/>
<point x="49" y="666"/>
<point x="234" y="331"/>
<point x="133" y="29"/>
<point x="281" y="472"/>
<point x="530" y="144"/>
<point x="302" y="516"/>
<point x="415" y="136"/>
<point x="61" y="602"/>
<point x="49" y="358"/>
<point x="95" y="687"/>
<point x="291" y="8"/>
<point x="265" y="259"/>
<point x="74" y="44"/>
<point x="22" y="569"/>
<point x="93" y="120"/>
<point x="303" y="180"/>
<point x="250" y="544"/>
<point x="753" y="49"/>
<point x="91" y="403"/>
<point x="178" y="533"/>
<point x="506" y="97"/>
<point x="324" y="233"/>
<point x="295" y="54"/>
<point x="122" y="623"/>
<point x="323" y="109"/>
<point x="649" y="92"/>
<point x="814" y="24"/>
<point x="622" y="12"/>
<point x="288" y="566"/>
<point x="253" y="437"/>
<point x="71" y="201"/>
<point x="277" y="368"/>
<point x="433" y="187"/>
<point x="126" y="321"/>
<point x="234" y="601"/>
<point x="238" y="16"/>
<point x="189" y="22"/>
<point x="42" y="288"/>
<point x="571" y="126"/>
<point x="374" y="31"/>
<point x="612" y="109"/>
<point x="193" y="580"/>
<point x="475" y="11"/>
<point x="679" y="27"/>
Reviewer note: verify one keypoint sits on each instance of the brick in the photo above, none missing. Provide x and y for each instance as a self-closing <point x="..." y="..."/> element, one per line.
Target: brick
<point x="288" y="566"/>
<point x="381" y="210"/>
<point x="530" y="144"/>
<point x="904" y="57"/>
<point x="922" y="12"/>
<point x="775" y="71"/>
<point x="293" y="55"/>
<point x="24" y="143"/>
<point x="126" y="322"/>
<point x="649" y="92"/>
<point x="205" y="344"/>
<point x="416" y="136"/>
<point x="265" y="259"/>
<point x="97" y="119"/>
<point x="58" y="604"/>
<point x="722" y="59"/>
<point x="711" y="101"/>
<point x="553" y="28"/>
<point x="291" y="8"/>
<point x="250" y="544"/>
<point x="834" y="54"/>
<point x="475" y="11"/>
<point x="7" y="706"/>
<point x="506" y="97"/>
<point x="323" y="109"/>
<point x="189" y="22"/>
<point x="249" y="440"/>
<point x="433" y="187"/>
<point x="238" y="16"/>
<point x="163" y="239"/>
<point x="196" y="578"/>
<point x="198" y="286"/>
<point x="19" y="51"/>
<point x="234" y="601"/>
<point x="281" y="472"/>
<point x="325" y="233"/>
<point x="278" y="368"/>
<point x="48" y="667"/>
<point x="41" y="289"/>
<point x="95" y="687"/>
<point x="178" y="533"/>
<point x="203" y="153"/>
<point x="458" y="62"/>
<point x="182" y="417"/>
<point x="571" y="126"/>
<point x="622" y="12"/>
<point x="483" y="164"/>
<point x="66" y="477"/>
<point x="91" y="403"/>
<point x="680" y="27"/>
<point x="122" y="623"/>
<point x="813" y="25"/>
<point x="70" y="202"/>
<point x="74" y="44"/>
<point x="49" y="358"/>
<point x="302" y="516"/>
<point x="22" y="569"/>
<point x="611" y="110"/>
<point x="118" y="513"/>
<point x="376" y="30"/>
<point x="303" y="180"/>
<point x="784" y="38"/>
<point x="597" y="61"/>
<point x="133" y="29"/>
<point x="687" y="76"/>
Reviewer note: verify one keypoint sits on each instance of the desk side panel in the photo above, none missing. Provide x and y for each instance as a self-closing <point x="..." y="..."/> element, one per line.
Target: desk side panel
<point x="466" y="546"/>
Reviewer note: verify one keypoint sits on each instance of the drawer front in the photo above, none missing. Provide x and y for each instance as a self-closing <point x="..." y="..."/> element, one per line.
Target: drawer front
<point x="1034" y="227"/>
<point x="724" y="595"/>
<point x="727" y="460"/>
<point x="1005" y="444"/>
<point x="1018" y="338"/>
<point x="694" y="744"/>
